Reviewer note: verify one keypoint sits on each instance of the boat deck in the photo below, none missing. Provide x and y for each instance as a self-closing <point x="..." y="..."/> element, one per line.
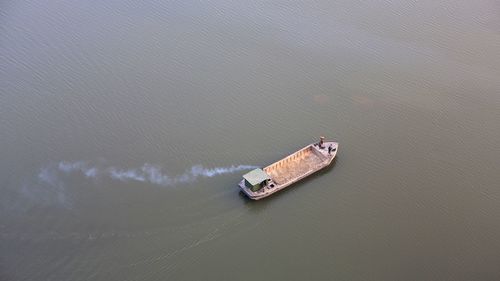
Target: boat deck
<point x="295" y="165"/>
<point x="293" y="168"/>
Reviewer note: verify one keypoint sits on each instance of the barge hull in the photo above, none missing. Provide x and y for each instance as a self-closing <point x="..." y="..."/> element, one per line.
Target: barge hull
<point x="294" y="168"/>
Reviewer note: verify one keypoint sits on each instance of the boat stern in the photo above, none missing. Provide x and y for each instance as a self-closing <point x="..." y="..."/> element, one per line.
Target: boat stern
<point x="249" y="193"/>
<point x="254" y="182"/>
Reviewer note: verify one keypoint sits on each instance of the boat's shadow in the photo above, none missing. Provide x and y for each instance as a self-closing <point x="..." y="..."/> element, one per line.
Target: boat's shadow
<point x="295" y="186"/>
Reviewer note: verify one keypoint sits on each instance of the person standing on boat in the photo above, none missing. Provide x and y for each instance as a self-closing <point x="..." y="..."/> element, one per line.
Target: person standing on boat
<point x="329" y="150"/>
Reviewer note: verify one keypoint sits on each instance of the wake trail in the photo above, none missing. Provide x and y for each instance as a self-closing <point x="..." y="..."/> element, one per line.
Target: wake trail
<point x="147" y="173"/>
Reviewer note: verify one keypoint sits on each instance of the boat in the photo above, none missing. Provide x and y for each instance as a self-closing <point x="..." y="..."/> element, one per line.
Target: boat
<point x="260" y="183"/>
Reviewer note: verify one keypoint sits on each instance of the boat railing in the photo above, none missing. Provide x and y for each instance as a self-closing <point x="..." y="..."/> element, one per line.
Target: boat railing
<point x="288" y="159"/>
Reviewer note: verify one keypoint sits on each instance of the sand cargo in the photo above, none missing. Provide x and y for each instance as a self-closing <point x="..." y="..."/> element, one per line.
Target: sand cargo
<point x="260" y="183"/>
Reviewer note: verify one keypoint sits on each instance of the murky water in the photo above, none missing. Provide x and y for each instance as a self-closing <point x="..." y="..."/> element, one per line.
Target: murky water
<point x="125" y="128"/>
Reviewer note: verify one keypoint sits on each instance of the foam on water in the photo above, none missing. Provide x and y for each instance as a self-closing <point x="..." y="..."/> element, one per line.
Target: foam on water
<point x="148" y="173"/>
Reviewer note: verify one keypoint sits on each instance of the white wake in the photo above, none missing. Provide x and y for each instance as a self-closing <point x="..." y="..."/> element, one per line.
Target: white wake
<point x="147" y="173"/>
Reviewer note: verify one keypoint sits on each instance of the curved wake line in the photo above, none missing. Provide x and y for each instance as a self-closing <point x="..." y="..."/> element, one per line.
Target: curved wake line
<point x="147" y="173"/>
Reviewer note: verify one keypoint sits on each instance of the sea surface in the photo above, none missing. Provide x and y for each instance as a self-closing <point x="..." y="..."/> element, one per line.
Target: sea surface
<point x="125" y="127"/>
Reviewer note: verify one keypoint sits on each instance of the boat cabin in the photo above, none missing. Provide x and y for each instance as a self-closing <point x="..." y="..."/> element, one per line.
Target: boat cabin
<point x="256" y="179"/>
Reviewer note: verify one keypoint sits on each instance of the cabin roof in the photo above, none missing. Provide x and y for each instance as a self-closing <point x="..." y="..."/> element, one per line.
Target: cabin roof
<point x="256" y="176"/>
